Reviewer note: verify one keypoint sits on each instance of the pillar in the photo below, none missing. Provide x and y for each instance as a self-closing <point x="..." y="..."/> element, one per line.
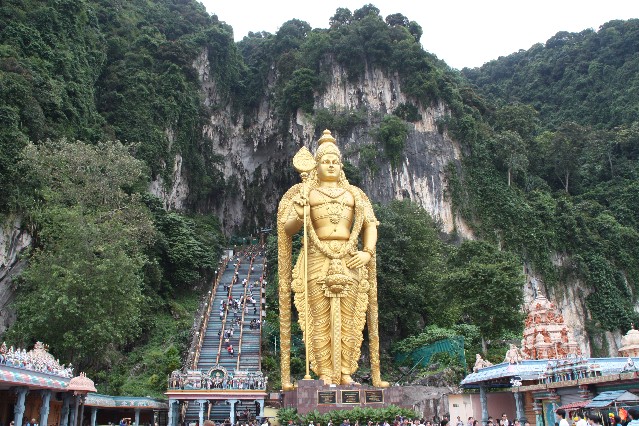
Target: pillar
<point x="201" y="412"/>
<point x="94" y="414"/>
<point x="172" y="415"/>
<point x="539" y="416"/>
<point x="64" y="414"/>
<point x="519" y="407"/>
<point x="44" y="410"/>
<point x="18" y="411"/>
<point x="260" y="413"/>
<point x="137" y="417"/>
<point x="74" y="412"/>
<point x="82" y="399"/>
<point x="483" y="399"/>
<point x="232" y="402"/>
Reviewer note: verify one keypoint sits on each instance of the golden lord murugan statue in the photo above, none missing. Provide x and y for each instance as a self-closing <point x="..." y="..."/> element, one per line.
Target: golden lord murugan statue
<point x="334" y="279"/>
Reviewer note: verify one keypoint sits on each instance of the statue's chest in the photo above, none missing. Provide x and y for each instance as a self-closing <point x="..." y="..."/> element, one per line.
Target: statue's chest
<point x="336" y="205"/>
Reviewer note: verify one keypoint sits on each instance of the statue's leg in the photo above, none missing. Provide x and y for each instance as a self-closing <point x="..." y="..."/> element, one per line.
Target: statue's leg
<point x="320" y="319"/>
<point x="320" y="310"/>
<point x="350" y="331"/>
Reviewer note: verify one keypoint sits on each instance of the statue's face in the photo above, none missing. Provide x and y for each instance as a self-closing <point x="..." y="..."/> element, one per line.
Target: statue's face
<point x="329" y="168"/>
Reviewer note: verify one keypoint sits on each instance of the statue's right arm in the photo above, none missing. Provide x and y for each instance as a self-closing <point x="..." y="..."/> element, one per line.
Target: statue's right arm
<point x="294" y="220"/>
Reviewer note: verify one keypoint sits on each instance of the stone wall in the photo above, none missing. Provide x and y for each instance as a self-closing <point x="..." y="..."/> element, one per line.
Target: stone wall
<point x="428" y="402"/>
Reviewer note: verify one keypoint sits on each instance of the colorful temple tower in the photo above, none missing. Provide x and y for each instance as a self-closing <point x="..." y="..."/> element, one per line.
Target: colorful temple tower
<point x="546" y="335"/>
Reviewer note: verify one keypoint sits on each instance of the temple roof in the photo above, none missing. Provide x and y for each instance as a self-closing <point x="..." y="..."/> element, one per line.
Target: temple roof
<point x="606" y="399"/>
<point x="526" y="370"/>
<point x="98" y="400"/>
<point x="536" y="369"/>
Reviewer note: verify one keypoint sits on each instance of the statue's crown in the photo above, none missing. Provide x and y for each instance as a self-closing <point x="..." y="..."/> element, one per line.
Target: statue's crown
<point x="327" y="146"/>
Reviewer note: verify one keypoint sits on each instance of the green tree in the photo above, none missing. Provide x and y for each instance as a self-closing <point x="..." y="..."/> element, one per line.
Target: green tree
<point x="298" y="92"/>
<point x="392" y="133"/>
<point x="488" y="287"/>
<point x="410" y="260"/>
<point x="565" y="153"/>
<point x="343" y="16"/>
<point x="82" y="289"/>
<point x="511" y="149"/>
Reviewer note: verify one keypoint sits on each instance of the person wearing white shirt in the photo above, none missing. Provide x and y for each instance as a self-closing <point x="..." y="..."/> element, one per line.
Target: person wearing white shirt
<point x="580" y="420"/>
<point x="561" y="413"/>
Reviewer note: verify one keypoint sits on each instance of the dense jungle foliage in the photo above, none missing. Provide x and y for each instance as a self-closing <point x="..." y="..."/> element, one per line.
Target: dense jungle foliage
<point x="549" y="176"/>
<point x="553" y="173"/>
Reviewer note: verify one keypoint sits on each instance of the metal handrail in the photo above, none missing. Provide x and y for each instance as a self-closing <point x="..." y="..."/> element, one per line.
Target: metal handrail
<point x="207" y="313"/>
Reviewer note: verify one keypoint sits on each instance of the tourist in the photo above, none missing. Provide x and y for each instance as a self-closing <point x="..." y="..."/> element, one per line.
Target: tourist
<point x="593" y="420"/>
<point x="459" y="421"/>
<point x="444" y="422"/>
<point x="633" y="415"/>
<point x="580" y="420"/>
<point x="505" y="422"/>
<point x="561" y="413"/>
<point x="471" y="421"/>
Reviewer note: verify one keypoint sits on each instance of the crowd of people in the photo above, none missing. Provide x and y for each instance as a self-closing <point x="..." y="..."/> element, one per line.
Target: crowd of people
<point x="240" y="306"/>
<point x="39" y="359"/>
<point x="200" y="380"/>
<point x="624" y="417"/>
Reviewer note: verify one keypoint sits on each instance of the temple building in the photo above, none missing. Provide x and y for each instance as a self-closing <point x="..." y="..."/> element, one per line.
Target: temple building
<point x="546" y="335"/>
<point x="34" y="385"/>
<point x="548" y="372"/>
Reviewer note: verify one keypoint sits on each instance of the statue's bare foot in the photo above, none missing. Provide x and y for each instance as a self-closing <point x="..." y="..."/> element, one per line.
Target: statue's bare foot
<point x="287" y="386"/>
<point x="380" y="384"/>
<point x="348" y="380"/>
<point x="327" y="380"/>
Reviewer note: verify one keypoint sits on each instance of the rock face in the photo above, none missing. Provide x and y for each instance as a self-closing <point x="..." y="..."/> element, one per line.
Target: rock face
<point x="257" y="161"/>
<point x="13" y="240"/>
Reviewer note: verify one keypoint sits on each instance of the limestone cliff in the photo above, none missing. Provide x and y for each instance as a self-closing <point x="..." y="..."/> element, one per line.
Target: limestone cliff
<point x="257" y="160"/>
<point x="13" y="241"/>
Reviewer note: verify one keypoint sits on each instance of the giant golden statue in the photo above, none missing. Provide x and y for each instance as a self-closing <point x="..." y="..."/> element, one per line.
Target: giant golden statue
<point x="334" y="280"/>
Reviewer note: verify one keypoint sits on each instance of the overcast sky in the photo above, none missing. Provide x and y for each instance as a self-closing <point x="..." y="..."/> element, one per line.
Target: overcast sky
<point x="464" y="33"/>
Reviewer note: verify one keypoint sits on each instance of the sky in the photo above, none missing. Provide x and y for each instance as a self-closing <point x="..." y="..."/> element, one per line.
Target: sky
<point x="464" y="33"/>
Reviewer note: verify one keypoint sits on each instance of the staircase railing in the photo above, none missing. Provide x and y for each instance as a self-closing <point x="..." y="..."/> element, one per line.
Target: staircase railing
<point x="239" y="343"/>
<point x="196" y="345"/>
<point x="262" y="299"/>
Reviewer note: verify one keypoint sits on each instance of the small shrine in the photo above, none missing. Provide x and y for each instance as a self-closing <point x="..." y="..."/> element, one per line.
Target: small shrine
<point x="630" y="343"/>
<point x="546" y="335"/>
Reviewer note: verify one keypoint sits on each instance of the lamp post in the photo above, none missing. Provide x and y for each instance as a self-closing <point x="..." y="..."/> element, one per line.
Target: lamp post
<point x="80" y="385"/>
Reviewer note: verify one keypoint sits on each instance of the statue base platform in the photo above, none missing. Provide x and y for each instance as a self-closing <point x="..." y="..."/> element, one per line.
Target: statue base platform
<point x="315" y="395"/>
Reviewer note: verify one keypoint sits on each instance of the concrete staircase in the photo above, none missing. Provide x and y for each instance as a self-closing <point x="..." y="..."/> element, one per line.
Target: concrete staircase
<point x="246" y="341"/>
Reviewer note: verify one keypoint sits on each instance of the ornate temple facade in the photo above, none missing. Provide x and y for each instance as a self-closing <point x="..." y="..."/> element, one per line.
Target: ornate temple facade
<point x="548" y="372"/>
<point x="35" y="386"/>
<point x="546" y="335"/>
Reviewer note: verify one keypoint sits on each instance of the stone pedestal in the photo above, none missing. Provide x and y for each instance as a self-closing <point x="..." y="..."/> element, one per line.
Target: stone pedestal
<point x="315" y="395"/>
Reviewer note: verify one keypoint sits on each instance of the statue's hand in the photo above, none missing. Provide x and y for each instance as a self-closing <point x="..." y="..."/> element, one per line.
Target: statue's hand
<point x="299" y="204"/>
<point x="358" y="260"/>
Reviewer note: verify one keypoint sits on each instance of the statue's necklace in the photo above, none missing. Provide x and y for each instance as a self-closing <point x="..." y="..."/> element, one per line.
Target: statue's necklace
<point x="332" y="192"/>
<point x="334" y="209"/>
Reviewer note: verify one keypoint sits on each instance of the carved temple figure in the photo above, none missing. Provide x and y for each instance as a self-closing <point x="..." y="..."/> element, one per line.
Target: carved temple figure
<point x="341" y="277"/>
<point x="481" y="363"/>
<point x="513" y="356"/>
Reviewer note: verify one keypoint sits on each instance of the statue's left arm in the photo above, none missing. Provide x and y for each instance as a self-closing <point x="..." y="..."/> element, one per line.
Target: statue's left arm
<point x="369" y="235"/>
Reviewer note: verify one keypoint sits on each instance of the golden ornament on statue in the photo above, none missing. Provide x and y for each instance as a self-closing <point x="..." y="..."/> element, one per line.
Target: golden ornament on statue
<point x="334" y="283"/>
